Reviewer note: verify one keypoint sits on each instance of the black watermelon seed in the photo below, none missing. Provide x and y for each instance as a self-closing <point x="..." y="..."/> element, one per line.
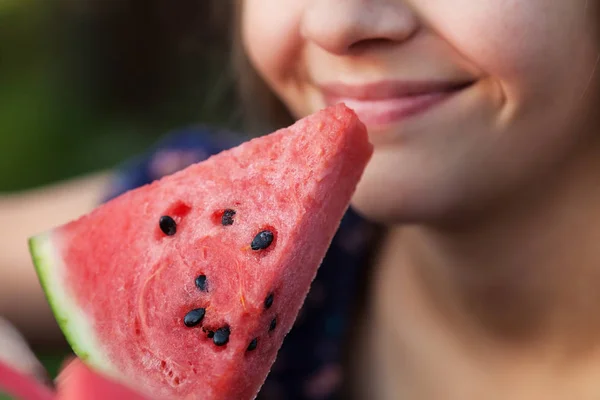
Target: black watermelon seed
<point x="210" y="334"/>
<point x="194" y="317"/>
<point x="269" y="301"/>
<point x="253" y="344"/>
<point x="273" y="325"/>
<point x="221" y="336"/>
<point x="167" y="225"/>
<point x="262" y="240"/>
<point x="201" y="283"/>
<point x="227" y="218"/>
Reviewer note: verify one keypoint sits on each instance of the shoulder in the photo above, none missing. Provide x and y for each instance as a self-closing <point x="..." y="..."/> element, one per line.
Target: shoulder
<point x="174" y="151"/>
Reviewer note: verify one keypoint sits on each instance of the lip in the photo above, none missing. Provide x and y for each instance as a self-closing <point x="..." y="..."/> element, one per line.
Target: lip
<point x="386" y="102"/>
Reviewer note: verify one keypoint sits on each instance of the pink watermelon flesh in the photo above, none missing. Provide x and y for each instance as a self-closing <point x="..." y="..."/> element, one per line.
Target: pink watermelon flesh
<point x="78" y="382"/>
<point x="121" y="287"/>
<point x="22" y="386"/>
<point x="75" y="382"/>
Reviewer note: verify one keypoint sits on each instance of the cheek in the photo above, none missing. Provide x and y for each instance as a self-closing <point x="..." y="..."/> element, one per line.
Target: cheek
<point x="533" y="48"/>
<point x="271" y="39"/>
<point x="491" y="34"/>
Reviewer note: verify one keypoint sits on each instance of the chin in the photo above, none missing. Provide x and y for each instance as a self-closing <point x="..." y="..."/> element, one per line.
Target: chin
<point x="380" y="207"/>
<point x="384" y="205"/>
<point x="385" y="195"/>
<point x="373" y="212"/>
<point x="401" y="199"/>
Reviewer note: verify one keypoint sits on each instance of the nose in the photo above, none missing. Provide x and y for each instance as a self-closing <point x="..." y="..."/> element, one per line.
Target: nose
<point x="341" y="26"/>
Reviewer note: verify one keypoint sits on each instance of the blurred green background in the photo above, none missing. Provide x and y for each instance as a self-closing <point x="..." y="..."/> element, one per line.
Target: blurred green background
<point x="85" y="84"/>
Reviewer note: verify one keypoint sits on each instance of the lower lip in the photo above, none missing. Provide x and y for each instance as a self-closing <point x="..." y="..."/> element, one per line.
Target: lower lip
<point x="379" y="113"/>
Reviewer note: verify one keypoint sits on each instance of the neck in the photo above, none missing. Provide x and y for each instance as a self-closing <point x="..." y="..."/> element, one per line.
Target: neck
<point x="530" y="273"/>
<point x="530" y="281"/>
<point x="516" y="291"/>
<point x="524" y="282"/>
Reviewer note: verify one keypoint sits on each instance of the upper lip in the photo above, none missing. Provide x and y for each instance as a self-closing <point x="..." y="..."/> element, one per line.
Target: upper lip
<point x="388" y="89"/>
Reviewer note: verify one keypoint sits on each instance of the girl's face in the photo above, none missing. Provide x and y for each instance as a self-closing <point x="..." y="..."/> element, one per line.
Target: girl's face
<point x="465" y="100"/>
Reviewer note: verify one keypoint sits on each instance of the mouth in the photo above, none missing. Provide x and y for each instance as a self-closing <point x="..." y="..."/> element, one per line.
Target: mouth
<point x="384" y="103"/>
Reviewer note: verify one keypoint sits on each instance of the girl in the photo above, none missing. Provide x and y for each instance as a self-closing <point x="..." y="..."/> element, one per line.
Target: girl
<point x="483" y="184"/>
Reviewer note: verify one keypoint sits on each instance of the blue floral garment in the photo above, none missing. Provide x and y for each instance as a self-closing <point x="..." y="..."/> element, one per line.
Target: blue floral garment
<point x="308" y="365"/>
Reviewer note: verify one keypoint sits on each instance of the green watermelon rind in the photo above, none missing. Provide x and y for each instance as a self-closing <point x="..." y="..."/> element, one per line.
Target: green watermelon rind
<point x="76" y="328"/>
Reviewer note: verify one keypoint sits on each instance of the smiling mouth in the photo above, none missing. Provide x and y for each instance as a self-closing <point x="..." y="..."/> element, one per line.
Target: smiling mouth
<point x="387" y="102"/>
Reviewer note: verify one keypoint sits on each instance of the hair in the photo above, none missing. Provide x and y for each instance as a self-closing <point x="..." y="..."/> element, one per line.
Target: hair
<point x="262" y="111"/>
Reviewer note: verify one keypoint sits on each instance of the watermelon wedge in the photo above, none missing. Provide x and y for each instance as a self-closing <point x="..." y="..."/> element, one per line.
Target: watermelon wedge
<point x="185" y="288"/>
<point x="21" y="386"/>
<point x="78" y="382"/>
<point x="75" y="382"/>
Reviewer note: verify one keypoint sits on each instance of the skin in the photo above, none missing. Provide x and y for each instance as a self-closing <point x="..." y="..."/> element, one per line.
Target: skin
<point x="486" y="286"/>
<point x="27" y="213"/>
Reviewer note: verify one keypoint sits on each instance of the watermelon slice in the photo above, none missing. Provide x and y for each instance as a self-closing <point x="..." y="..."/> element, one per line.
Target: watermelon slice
<point x="75" y="382"/>
<point x="21" y="386"/>
<point x="186" y="287"/>
<point x="78" y="382"/>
